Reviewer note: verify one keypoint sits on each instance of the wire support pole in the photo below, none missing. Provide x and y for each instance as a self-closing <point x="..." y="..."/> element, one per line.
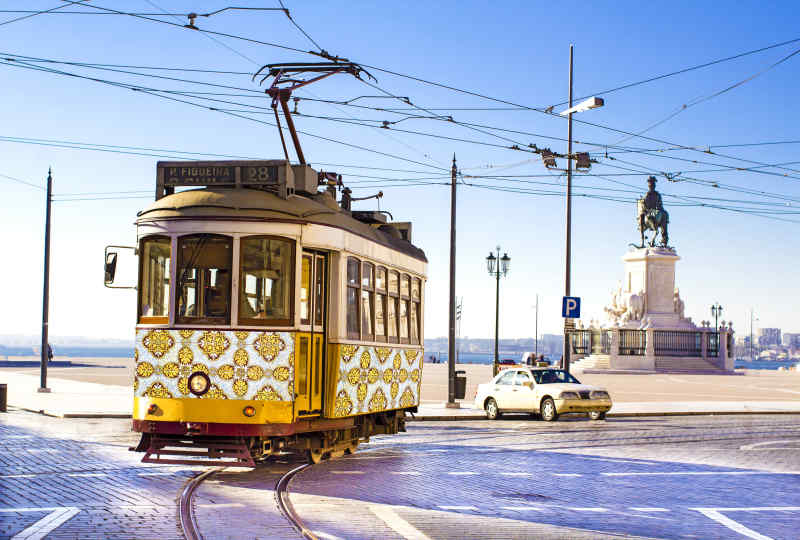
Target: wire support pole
<point x="568" y="265"/>
<point x="451" y="340"/>
<point x="536" y="331"/>
<point x="45" y="356"/>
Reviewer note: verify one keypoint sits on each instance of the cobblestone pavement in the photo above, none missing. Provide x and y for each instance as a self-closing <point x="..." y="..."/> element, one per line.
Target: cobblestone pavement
<point x="699" y="477"/>
<point x="76" y="479"/>
<point x="669" y="477"/>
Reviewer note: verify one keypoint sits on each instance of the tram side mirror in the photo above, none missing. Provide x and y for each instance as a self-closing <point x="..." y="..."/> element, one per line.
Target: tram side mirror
<point x="126" y="265"/>
<point x="111" y="267"/>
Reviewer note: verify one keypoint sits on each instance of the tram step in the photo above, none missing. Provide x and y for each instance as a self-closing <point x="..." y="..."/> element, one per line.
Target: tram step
<point x="224" y="452"/>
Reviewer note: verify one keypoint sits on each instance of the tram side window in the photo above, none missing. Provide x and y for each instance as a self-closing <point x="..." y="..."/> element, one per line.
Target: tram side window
<point x="380" y="304"/>
<point x="415" y="311"/>
<point x="154" y="280"/>
<point x="367" y="301"/>
<point x="394" y="281"/>
<point x="266" y="281"/>
<point x="353" y="280"/>
<point x="404" y="301"/>
<point x="204" y="279"/>
<point x="305" y="291"/>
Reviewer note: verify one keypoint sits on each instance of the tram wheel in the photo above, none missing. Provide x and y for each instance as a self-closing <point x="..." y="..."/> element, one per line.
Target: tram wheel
<point x="315" y="455"/>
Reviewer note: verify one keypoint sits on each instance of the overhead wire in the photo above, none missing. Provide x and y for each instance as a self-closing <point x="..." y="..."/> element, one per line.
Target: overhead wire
<point x="702" y="99"/>
<point x="192" y="103"/>
<point x="767" y="165"/>
<point x="41" y="12"/>
<point x="21" y="181"/>
<point x="425" y="81"/>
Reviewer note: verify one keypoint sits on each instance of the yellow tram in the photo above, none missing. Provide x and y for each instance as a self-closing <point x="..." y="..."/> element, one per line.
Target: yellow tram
<point x="270" y="316"/>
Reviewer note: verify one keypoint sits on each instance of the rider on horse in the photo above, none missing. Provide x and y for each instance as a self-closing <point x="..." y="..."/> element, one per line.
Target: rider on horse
<point x="652" y="215"/>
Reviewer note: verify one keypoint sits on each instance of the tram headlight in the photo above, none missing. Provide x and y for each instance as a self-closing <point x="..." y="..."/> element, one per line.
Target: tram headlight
<point x="249" y="411"/>
<point x="199" y="383"/>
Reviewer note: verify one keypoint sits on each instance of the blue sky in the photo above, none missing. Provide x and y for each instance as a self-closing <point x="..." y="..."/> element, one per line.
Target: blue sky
<point x="515" y="51"/>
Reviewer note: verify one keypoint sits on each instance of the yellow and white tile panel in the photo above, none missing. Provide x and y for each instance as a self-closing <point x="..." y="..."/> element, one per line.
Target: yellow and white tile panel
<point x="373" y="379"/>
<point x="241" y="365"/>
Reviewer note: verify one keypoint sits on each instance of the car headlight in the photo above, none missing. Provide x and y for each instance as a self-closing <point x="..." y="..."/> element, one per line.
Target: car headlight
<point x="199" y="383"/>
<point x="569" y="395"/>
<point x="600" y="394"/>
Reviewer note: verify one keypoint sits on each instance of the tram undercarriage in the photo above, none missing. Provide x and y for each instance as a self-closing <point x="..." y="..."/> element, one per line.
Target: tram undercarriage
<point x="175" y="443"/>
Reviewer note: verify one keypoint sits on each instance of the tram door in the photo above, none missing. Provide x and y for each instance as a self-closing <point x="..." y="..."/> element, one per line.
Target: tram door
<point x="310" y="354"/>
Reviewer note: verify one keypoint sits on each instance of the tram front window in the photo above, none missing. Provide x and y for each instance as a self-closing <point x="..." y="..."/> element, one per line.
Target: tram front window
<point x="154" y="280"/>
<point x="265" y="282"/>
<point x="204" y="279"/>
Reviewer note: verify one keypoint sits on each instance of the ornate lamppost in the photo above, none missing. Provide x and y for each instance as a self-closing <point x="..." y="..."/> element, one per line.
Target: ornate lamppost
<point x="497" y="266"/>
<point x="716" y="312"/>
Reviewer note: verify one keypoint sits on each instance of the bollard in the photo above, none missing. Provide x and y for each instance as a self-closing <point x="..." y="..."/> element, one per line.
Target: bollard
<point x="3" y="397"/>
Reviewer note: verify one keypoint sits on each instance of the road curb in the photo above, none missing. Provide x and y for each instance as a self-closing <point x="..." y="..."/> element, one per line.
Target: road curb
<point x="44" y="412"/>
<point x="455" y="418"/>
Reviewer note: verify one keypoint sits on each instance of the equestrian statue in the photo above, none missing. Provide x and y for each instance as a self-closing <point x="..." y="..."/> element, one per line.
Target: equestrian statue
<point x="652" y="216"/>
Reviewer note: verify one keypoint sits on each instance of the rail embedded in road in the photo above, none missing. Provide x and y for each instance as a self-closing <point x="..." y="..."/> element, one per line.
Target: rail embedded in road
<point x="185" y="510"/>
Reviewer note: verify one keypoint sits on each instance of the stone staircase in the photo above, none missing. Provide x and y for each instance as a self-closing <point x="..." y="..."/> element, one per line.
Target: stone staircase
<point x="594" y="361"/>
<point x="674" y="363"/>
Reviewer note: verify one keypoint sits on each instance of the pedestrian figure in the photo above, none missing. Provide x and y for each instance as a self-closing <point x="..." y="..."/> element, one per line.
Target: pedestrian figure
<point x="49" y="352"/>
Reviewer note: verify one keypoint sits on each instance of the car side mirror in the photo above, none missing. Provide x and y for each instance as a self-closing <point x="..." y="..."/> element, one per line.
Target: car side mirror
<point x="529" y="384"/>
<point x="111" y="267"/>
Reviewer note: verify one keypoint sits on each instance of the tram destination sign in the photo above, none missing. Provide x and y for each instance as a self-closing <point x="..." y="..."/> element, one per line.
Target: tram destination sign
<point x="264" y="173"/>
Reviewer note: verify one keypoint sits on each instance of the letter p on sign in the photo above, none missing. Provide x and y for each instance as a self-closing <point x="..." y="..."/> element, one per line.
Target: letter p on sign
<point x="571" y="307"/>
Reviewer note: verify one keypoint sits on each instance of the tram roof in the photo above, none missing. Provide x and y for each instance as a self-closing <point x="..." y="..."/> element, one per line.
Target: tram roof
<point x="257" y="205"/>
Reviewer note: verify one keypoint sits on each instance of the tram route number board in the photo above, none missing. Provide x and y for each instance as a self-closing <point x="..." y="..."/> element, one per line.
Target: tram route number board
<point x="218" y="174"/>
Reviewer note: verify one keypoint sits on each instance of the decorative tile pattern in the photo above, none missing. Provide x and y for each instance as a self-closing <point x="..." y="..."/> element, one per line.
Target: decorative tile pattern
<point x="241" y="365"/>
<point x="373" y="379"/>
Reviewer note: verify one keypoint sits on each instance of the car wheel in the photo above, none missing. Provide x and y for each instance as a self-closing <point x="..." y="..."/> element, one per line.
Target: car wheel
<point x="492" y="412"/>
<point x="548" y="410"/>
<point x="597" y="415"/>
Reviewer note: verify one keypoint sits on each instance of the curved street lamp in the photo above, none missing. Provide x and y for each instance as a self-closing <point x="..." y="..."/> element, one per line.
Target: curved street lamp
<point x="496" y="270"/>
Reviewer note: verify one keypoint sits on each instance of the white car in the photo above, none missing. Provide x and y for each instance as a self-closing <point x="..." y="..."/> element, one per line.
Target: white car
<point x="546" y="391"/>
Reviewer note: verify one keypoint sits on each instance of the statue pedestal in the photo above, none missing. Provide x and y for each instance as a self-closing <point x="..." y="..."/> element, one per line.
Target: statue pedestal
<point x="650" y="275"/>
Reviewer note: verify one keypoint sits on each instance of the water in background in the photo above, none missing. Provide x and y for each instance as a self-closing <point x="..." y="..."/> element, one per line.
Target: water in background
<point x="476" y="358"/>
<point x="764" y="364"/>
<point x="484" y="358"/>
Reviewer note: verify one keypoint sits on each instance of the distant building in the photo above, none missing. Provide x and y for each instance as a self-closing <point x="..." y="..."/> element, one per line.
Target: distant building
<point x="769" y="337"/>
<point x="791" y="340"/>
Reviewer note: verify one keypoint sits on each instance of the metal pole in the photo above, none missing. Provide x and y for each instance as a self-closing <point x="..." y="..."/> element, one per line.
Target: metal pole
<point x="46" y="287"/>
<point x="569" y="216"/>
<point x="751" y="334"/>
<point x="451" y="346"/>
<point x="536" y="341"/>
<point x="496" y="367"/>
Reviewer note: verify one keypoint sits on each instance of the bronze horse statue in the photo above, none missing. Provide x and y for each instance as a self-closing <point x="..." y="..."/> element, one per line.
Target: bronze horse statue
<point x="652" y="219"/>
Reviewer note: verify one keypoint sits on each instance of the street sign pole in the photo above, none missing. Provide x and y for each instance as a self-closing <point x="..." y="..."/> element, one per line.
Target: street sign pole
<point x="570" y="310"/>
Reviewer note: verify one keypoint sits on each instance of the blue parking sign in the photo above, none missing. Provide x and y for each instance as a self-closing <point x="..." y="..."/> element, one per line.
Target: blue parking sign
<point x="571" y="307"/>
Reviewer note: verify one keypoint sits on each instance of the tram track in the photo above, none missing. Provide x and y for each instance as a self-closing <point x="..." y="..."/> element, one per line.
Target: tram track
<point x="285" y="504"/>
<point x="186" y="514"/>
<point x="188" y="520"/>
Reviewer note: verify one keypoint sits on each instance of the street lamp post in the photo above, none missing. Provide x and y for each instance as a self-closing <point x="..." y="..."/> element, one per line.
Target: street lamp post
<point x="497" y="266"/>
<point x="591" y="103"/>
<point x="716" y="312"/>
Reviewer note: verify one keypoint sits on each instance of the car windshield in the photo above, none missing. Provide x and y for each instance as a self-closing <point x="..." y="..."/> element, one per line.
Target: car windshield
<point x="550" y="376"/>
